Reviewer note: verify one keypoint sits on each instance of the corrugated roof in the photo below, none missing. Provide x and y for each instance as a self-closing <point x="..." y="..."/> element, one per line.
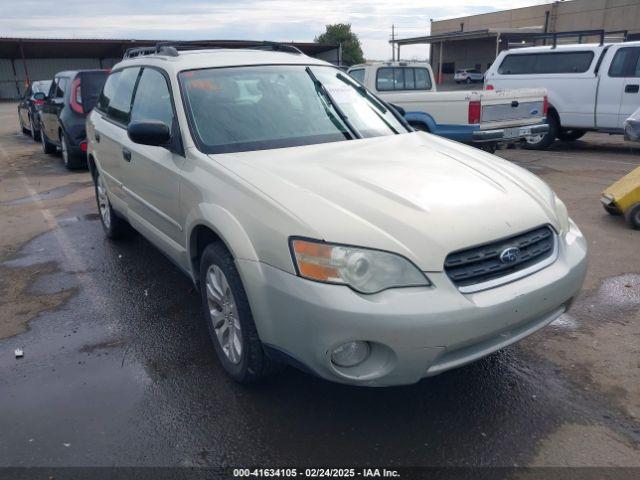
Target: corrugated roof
<point x="111" y="48"/>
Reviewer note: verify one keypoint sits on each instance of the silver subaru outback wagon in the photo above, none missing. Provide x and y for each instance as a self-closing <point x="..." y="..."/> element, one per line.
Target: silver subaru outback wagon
<point x="320" y="229"/>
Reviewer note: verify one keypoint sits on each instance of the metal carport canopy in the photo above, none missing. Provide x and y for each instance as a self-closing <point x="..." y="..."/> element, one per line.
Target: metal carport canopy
<point x="17" y="48"/>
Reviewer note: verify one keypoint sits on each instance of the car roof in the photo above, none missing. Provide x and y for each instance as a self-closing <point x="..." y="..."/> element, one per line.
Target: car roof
<point x="73" y="73"/>
<point x="390" y="64"/>
<point x="573" y="47"/>
<point x="219" y="57"/>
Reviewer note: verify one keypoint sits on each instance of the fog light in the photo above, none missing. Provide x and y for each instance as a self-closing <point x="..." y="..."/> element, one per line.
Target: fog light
<point x="350" y="354"/>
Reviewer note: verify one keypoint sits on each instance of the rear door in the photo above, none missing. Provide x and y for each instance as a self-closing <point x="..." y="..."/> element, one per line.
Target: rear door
<point x="110" y="124"/>
<point x="151" y="175"/>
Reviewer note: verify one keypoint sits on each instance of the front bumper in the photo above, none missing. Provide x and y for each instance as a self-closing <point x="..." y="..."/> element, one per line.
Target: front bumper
<point x="413" y="332"/>
<point x="509" y="135"/>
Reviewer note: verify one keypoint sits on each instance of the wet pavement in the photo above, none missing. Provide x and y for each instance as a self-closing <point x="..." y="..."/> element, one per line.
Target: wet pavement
<point x="118" y="368"/>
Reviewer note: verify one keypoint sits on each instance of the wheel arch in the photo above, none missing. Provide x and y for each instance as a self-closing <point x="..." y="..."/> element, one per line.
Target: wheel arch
<point x="219" y="226"/>
<point x="421" y="118"/>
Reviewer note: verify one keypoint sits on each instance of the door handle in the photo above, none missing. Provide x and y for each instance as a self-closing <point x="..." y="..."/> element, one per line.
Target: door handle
<point x="632" y="88"/>
<point x="126" y="154"/>
<point x="97" y="135"/>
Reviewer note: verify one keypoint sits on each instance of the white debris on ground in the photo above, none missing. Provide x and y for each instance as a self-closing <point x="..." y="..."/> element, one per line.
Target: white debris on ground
<point x="19" y="353"/>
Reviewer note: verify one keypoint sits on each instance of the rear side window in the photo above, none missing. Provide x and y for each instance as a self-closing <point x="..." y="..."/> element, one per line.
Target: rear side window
<point x="403" y="78"/>
<point x="120" y="101"/>
<point x="153" y="98"/>
<point x="546" y="63"/>
<point x="42" y="86"/>
<point x="626" y="63"/>
<point x="358" y="74"/>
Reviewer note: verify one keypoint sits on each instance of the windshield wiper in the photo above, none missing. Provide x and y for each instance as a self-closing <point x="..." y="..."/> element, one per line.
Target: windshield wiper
<point x="372" y="100"/>
<point x="375" y="100"/>
<point x="321" y="88"/>
<point x="362" y="91"/>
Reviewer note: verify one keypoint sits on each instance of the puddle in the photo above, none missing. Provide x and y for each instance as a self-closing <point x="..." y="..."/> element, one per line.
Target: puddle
<point x="58" y="192"/>
<point x="89" y="217"/>
<point x="565" y="321"/>
<point x="620" y="291"/>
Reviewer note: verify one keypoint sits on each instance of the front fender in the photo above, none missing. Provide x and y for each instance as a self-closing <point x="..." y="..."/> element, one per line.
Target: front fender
<point x="225" y="226"/>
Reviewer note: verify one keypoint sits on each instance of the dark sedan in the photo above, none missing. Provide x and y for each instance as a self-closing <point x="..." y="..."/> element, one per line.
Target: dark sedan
<point x="29" y="108"/>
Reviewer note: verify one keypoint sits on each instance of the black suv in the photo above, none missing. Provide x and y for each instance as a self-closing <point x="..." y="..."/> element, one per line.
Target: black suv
<point x="71" y="97"/>
<point x="29" y="108"/>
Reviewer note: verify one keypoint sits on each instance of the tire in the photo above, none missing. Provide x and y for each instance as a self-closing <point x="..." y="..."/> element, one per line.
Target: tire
<point x="611" y="209"/>
<point x="47" y="147"/>
<point x="35" y="134"/>
<point x="469" y="81"/>
<point x="114" y="227"/>
<point x="570" y="135"/>
<point x="233" y="331"/>
<point x="72" y="161"/>
<point x="542" y="142"/>
<point x="632" y="216"/>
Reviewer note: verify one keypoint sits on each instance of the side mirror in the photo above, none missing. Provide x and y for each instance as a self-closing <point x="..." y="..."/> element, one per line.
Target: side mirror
<point x="398" y="109"/>
<point x="149" y="132"/>
<point x="39" y="96"/>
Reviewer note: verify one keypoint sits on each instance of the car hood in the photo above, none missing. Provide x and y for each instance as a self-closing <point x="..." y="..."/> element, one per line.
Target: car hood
<point x="414" y="194"/>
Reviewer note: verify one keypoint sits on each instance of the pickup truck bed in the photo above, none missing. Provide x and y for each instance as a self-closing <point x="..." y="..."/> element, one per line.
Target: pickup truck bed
<point x="467" y="116"/>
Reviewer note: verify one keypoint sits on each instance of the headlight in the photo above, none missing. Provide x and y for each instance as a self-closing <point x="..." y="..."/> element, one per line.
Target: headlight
<point x="562" y="215"/>
<point x="363" y="269"/>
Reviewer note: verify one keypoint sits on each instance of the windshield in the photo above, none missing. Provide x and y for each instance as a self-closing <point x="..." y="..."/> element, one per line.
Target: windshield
<point x="41" y="86"/>
<point x="256" y="108"/>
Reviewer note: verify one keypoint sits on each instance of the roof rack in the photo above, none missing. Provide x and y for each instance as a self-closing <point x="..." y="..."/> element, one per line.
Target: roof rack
<point x="579" y="34"/>
<point x="172" y="49"/>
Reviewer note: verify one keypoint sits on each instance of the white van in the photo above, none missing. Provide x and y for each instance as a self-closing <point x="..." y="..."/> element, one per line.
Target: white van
<point x="590" y="87"/>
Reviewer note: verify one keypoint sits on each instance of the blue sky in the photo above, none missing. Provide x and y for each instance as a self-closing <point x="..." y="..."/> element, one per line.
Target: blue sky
<point x="280" y="20"/>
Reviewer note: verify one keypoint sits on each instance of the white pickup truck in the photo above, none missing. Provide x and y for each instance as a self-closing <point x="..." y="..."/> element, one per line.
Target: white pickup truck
<point x="591" y="87"/>
<point x="488" y="118"/>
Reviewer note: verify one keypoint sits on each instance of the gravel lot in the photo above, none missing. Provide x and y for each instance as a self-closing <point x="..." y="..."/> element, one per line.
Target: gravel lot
<point x="118" y="369"/>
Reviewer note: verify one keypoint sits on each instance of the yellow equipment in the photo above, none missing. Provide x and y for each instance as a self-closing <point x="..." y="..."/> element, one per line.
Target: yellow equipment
<point x="623" y="198"/>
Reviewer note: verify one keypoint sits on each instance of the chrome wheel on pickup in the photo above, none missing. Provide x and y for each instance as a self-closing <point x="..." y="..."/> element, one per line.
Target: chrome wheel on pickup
<point x="543" y="141"/>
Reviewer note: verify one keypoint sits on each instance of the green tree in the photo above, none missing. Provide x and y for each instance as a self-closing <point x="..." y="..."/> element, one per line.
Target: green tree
<point x="341" y="34"/>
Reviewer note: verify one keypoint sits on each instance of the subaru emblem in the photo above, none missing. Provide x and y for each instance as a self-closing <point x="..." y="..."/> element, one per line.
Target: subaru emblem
<point x="510" y="255"/>
<point x="533" y="112"/>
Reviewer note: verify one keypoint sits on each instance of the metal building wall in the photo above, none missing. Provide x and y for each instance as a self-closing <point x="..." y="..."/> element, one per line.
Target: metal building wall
<point x="41" y="69"/>
<point x="7" y="79"/>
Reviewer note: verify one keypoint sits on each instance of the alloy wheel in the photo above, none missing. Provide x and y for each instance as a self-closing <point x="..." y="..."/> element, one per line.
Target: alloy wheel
<point x="103" y="202"/>
<point x="65" y="151"/>
<point x="223" y="314"/>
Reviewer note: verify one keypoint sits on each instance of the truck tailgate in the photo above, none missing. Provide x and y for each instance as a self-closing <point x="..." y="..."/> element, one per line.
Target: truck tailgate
<point x="512" y="107"/>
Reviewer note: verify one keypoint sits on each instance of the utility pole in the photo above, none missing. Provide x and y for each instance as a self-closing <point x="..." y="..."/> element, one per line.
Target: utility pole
<point x="393" y="44"/>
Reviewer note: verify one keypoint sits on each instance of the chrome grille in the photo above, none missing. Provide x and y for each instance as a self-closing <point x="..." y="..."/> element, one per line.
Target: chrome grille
<point x="481" y="264"/>
<point x="509" y="111"/>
